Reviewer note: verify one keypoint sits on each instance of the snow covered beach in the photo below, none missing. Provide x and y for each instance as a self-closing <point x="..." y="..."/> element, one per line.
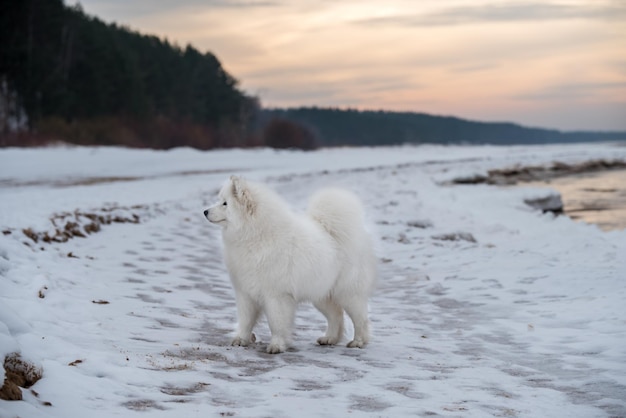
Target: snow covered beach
<point x="485" y="307"/>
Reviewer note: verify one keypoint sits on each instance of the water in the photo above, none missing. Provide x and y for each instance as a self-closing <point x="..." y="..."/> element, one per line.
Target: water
<point x="598" y="198"/>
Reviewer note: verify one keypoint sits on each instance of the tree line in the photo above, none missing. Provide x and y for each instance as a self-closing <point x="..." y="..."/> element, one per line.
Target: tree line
<point x="339" y="127"/>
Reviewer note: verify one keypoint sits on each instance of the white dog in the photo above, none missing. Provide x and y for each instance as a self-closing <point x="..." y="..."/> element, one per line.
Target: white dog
<point x="277" y="258"/>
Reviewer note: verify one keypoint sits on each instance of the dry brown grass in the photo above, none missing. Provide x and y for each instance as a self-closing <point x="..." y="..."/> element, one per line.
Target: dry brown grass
<point x="80" y="224"/>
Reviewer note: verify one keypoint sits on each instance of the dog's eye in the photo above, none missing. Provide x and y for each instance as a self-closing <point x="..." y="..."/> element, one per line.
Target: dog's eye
<point x="224" y="204"/>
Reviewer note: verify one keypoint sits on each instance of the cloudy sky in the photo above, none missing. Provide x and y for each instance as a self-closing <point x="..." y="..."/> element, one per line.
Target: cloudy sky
<point x="557" y="64"/>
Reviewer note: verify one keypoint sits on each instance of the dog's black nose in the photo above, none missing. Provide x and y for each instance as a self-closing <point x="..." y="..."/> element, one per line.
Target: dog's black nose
<point x="206" y="212"/>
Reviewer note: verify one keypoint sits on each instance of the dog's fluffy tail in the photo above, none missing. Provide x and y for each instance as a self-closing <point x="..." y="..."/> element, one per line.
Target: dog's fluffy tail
<point x="340" y="213"/>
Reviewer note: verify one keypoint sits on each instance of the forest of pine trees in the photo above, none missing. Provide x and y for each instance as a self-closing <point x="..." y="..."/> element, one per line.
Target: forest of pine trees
<point x="84" y="81"/>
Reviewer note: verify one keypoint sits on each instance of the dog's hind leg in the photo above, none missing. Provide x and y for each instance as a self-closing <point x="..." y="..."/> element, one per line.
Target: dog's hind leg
<point x="357" y="311"/>
<point x="248" y="312"/>
<point x="280" y="312"/>
<point x="334" y="315"/>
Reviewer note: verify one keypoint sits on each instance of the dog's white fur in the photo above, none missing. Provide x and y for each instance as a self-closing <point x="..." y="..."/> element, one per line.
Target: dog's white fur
<point x="277" y="258"/>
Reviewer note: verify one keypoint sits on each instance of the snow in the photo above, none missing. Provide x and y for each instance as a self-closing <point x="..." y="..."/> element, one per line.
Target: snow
<point x="524" y="320"/>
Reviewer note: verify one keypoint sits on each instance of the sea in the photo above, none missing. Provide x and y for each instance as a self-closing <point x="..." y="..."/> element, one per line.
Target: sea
<point x="597" y="198"/>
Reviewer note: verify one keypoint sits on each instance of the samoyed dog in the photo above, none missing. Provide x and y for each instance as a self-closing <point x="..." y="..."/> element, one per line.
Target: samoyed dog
<point x="277" y="258"/>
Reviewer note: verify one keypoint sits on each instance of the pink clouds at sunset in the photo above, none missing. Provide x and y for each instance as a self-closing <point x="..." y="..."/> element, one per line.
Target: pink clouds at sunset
<point x="557" y="64"/>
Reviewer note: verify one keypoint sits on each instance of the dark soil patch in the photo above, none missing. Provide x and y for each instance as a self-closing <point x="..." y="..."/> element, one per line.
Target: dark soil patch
<point x="455" y="236"/>
<point x="18" y="373"/>
<point x="184" y="391"/>
<point x="143" y="405"/>
<point x="517" y="174"/>
<point x="368" y="404"/>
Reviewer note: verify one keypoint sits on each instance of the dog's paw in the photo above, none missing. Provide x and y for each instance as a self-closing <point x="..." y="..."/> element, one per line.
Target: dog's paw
<point x="238" y="341"/>
<point x="275" y="348"/>
<point x="325" y="340"/>
<point x="242" y="342"/>
<point x="358" y="343"/>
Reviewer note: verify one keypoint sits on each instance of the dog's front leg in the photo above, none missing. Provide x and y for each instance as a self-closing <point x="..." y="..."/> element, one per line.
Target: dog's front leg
<point x="280" y="313"/>
<point x="248" y="311"/>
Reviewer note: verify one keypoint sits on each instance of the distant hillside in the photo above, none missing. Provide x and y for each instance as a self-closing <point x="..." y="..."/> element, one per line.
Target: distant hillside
<point x="332" y="127"/>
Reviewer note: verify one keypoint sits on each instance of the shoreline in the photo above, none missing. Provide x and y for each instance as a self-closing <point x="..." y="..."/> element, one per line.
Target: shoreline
<point x="597" y="197"/>
<point x="525" y="174"/>
<point x="592" y="191"/>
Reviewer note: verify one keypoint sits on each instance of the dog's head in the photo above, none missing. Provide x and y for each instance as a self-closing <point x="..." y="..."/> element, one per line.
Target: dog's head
<point x="234" y="204"/>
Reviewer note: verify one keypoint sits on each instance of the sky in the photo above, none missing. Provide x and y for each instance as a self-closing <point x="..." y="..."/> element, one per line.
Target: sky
<point x="554" y="64"/>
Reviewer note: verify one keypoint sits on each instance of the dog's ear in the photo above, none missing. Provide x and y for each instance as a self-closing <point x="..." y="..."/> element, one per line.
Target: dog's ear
<point x="237" y="185"/>
<point x="242" y="194"/>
